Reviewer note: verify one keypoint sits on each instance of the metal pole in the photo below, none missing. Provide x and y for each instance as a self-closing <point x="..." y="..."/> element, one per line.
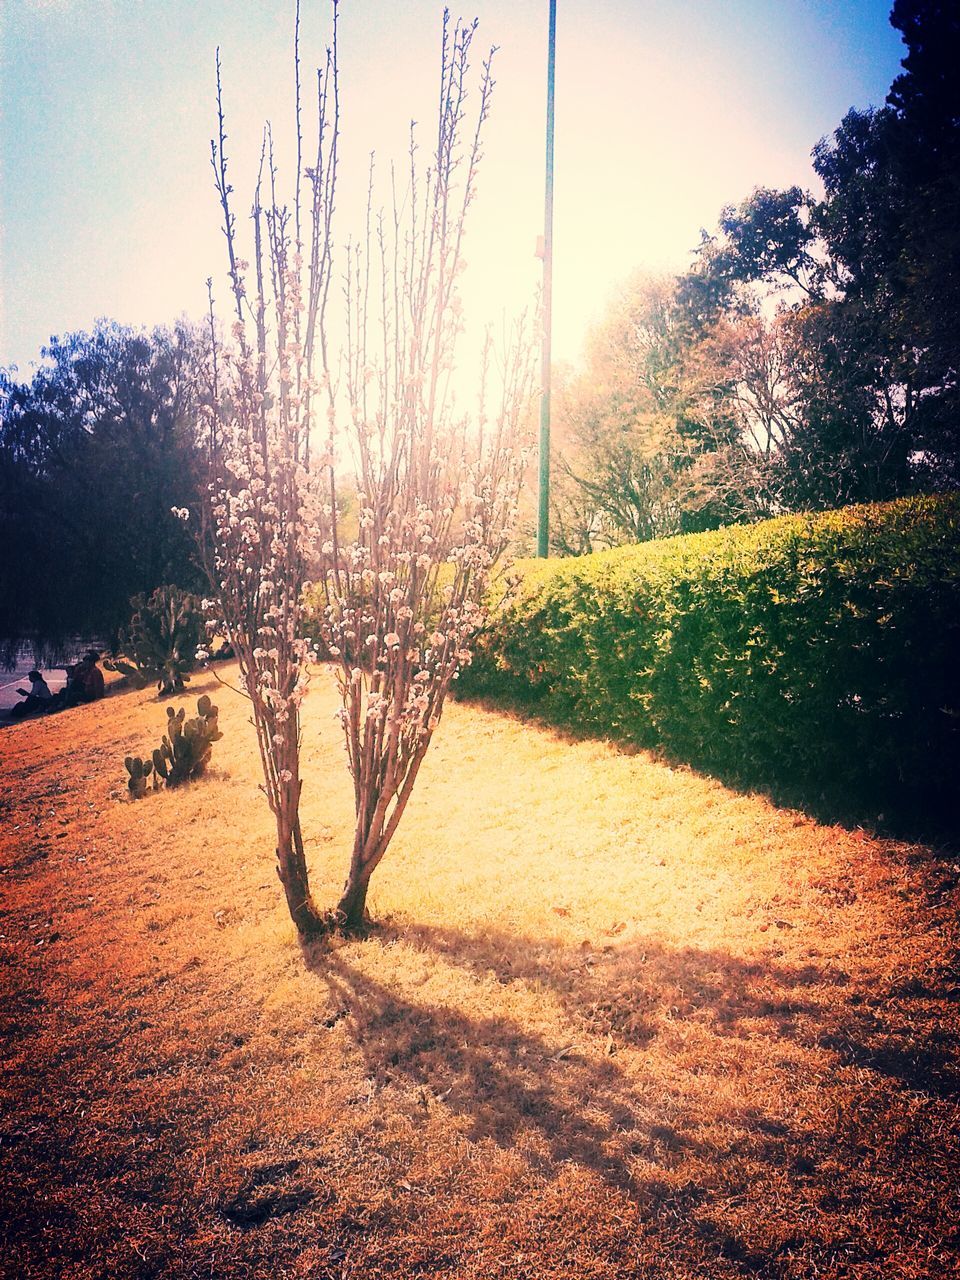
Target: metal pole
<point x="543" y="512"/>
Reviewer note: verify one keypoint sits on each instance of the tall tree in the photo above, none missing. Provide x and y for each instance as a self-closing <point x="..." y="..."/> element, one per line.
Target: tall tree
<point x="926" y="100"/>
<point x="673" y="424"/>
<point x="95" y="451"/>
<point x="618" y="450"/>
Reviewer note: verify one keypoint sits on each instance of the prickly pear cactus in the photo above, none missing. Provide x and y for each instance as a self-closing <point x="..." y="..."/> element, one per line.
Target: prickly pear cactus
<point x="161" y="641"/>
<point x="188" y="743"/>
<point x="139" y="771"/>
<point x="184" y="751"/>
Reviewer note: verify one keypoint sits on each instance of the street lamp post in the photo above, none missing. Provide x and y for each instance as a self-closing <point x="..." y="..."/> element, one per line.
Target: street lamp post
<point x="543" y="509"/>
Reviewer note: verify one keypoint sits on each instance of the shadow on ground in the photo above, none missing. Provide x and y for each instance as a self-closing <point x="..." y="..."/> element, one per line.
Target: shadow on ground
<point x="637" y="1092"/>
<point x="507" y="1078"/>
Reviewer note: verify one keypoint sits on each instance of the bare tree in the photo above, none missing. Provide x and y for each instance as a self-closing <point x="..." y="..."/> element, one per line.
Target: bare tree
<point x="436" y="491"/>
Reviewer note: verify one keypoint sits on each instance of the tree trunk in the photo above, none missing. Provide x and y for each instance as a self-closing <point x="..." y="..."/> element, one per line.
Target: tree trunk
<point x="292" y="870"/>
<point x="351" y="909"/>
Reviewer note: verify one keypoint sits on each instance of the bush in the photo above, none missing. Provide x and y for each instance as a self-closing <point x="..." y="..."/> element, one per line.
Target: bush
<point x="814" y="654"/>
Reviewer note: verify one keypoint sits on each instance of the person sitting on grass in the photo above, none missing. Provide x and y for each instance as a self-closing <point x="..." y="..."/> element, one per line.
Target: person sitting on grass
<point x="91" y="676"/>
<point x="37" y="698"/>
<point x="84" y="682"/>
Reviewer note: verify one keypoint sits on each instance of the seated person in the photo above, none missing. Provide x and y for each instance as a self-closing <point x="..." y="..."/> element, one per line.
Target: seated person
<point x="91" y="676"/>
<point x="84" y="682"/>
<point x="37" y="698"/>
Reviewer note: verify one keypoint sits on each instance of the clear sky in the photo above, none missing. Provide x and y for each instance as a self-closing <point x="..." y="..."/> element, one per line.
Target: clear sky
<point x="666" y="110"/>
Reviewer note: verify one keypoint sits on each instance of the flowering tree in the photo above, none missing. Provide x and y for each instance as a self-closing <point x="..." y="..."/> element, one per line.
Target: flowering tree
<point x="435" y="491"/>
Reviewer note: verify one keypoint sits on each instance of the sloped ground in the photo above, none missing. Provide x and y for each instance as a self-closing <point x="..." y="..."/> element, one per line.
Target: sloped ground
<point x="616" y="1022"/>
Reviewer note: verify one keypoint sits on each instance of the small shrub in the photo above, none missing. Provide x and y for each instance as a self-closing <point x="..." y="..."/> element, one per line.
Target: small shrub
<point x="814" y="654"/>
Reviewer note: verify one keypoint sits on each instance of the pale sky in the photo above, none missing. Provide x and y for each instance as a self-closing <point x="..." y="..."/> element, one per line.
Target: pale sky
<point x="666" y="110"/>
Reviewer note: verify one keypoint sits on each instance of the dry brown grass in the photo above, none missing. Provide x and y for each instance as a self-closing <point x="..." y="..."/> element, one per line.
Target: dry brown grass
<point x="617" y="1021"/>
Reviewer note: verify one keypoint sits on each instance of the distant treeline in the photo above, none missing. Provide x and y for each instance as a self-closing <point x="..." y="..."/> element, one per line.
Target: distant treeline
<point x="811" y="356"/>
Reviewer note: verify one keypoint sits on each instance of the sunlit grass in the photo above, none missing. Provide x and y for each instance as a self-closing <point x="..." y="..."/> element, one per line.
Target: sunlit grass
<point x="615" y="1020"/>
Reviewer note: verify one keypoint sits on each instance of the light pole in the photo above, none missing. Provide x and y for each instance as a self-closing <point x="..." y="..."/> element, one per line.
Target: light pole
<point x="543" y="509"/>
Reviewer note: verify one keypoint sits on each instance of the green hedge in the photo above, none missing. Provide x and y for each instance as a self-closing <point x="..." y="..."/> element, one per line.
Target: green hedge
<point x="814" y="654"/>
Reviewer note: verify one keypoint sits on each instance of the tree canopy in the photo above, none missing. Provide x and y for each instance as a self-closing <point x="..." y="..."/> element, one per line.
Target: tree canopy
<point x="95" y="451"/>
<point x="812" y="352"/>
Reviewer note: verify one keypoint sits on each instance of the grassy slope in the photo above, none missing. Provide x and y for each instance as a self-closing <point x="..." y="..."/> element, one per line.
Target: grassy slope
<point x="618" y="1021"/>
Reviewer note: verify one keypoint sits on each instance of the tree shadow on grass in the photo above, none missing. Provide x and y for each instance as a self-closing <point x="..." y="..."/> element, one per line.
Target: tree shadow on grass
<point x="650" y="1122"/>
<point x="507" y="1081"/>
<point x="575" y="1094"/>
<point x="624" y="991"/>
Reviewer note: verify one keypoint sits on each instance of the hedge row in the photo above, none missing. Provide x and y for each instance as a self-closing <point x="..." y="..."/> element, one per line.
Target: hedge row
<point x="814" y="654"/>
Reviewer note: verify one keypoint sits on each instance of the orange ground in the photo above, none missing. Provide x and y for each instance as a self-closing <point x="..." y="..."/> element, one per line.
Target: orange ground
<point x="617" y="1022"/>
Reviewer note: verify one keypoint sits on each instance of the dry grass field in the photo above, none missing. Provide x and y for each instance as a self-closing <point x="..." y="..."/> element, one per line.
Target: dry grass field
<point x="614" y="1021"/>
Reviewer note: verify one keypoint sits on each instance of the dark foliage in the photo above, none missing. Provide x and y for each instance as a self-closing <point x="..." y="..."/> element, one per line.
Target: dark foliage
<point x="95" y="451"/>
<point x="812" y="654"/>
<point x="873" y="274"/>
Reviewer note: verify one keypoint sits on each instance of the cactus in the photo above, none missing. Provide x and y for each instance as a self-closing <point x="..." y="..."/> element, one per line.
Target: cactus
<point x="161" y="640"/>
<point x="187" y="744"/>
<point x="184" y="751"/>
<point x="139" y="771"/>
